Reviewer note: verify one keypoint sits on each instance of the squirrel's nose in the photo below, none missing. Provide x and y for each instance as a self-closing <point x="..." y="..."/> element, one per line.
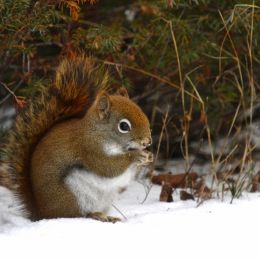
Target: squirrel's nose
<point x="146" y="142"/>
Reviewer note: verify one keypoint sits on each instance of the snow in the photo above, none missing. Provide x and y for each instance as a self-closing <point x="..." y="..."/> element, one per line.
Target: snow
<point x="152" y="230"/>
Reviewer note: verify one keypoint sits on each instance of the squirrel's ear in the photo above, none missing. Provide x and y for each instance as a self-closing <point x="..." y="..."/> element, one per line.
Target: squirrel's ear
<point x="103" y="104"/>
<point x="122" y="92"/>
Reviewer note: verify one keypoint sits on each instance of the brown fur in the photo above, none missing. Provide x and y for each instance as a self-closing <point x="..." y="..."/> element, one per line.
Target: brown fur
<point x="74" y="89"/>
<point x="65" y="127"/>
<point x="80" y="142"/>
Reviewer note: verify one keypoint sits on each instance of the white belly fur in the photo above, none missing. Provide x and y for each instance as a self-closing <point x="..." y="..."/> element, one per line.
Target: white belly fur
<point x="95" y="193"/>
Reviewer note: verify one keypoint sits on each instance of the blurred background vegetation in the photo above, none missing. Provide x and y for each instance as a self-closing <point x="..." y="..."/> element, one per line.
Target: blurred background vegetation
<point x="192" y="65"/>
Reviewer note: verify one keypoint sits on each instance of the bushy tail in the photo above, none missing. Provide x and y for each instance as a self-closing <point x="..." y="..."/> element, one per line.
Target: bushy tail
<point x="75" y="86"/>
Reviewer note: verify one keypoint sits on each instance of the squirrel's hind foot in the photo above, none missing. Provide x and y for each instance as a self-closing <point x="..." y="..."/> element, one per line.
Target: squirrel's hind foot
<point x="102" y="217"/>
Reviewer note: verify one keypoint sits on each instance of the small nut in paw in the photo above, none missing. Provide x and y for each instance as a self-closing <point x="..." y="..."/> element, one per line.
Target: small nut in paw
<point x="146" y="157"/>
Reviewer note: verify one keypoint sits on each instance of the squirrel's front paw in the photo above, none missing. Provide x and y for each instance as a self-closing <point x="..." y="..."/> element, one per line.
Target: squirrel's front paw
<point x="145" y="157"/>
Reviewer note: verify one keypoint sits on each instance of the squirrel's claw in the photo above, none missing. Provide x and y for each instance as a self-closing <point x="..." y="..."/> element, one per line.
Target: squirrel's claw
<point x="100" y="216"/>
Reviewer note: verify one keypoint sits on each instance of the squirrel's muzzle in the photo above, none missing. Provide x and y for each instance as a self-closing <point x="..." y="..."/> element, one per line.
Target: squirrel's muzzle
<point x="140" y="144"/>
<point x="146" y="142"/>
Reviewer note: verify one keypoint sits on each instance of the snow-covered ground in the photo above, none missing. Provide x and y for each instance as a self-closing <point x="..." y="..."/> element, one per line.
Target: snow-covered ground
<point x="152" y="230"/>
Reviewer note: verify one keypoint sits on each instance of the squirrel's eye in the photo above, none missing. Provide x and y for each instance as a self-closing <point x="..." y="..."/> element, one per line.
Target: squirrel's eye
<point x="124" y="126"/>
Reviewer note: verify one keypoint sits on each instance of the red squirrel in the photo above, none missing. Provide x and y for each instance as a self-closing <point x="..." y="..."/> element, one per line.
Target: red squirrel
<point x="75" y="146"/>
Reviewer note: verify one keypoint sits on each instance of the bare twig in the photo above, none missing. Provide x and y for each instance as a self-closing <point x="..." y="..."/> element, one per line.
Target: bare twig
<point x="152" y="75"/>
<point x="11" y="93"/>
<point x="119" y="211"/>
<point x="157" y="152"/>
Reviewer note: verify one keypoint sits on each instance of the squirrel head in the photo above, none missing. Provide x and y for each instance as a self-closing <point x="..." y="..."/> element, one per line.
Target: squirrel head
<point x="119" y="123"/>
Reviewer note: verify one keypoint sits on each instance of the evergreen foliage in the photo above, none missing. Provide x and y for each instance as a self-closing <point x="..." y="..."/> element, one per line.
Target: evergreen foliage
<point x="197" y="60"/>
